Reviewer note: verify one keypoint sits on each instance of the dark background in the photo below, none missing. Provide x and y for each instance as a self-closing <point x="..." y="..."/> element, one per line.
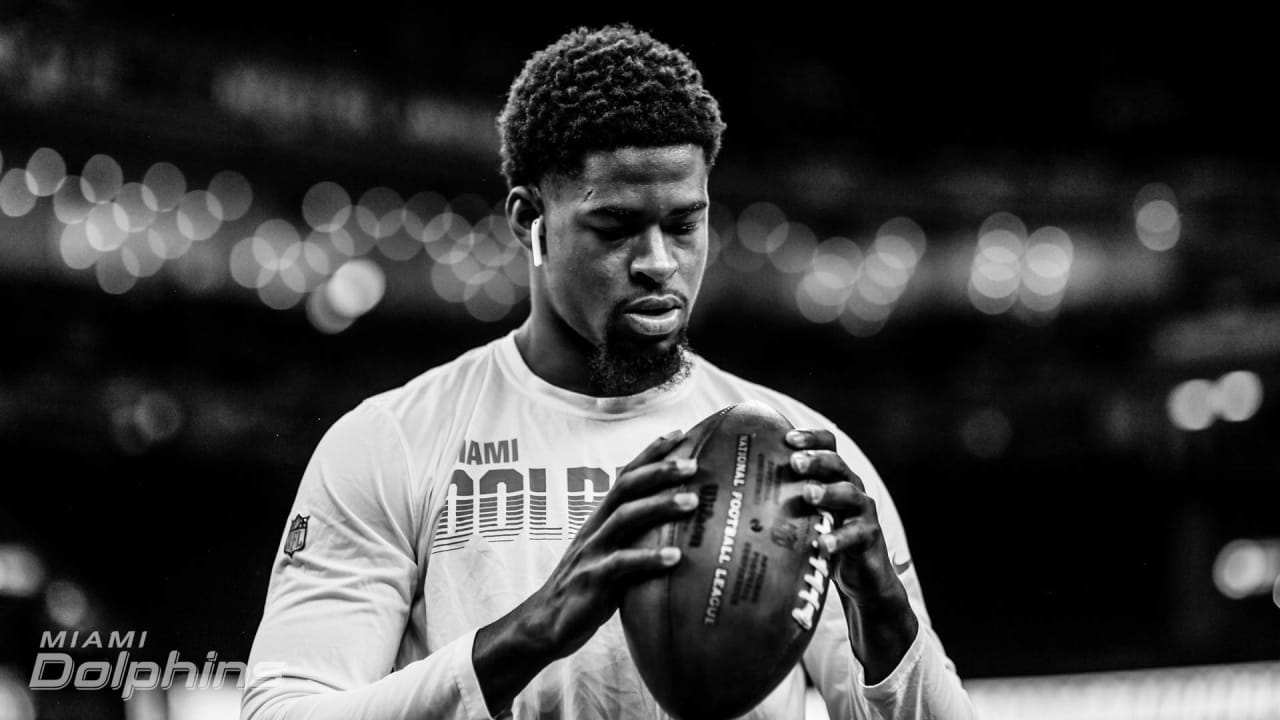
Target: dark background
<point x="1081" y="538"/>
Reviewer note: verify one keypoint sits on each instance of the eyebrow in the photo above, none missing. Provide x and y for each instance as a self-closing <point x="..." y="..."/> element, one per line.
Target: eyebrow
<point x="624" y="213"/>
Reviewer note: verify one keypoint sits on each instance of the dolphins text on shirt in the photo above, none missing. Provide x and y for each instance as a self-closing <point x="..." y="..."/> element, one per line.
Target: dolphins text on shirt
<point x="504" y="503"/>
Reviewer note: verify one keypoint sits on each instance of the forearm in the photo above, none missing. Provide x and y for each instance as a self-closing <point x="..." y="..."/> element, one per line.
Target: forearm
<point x="880" y="632"/>
<point x="506" y="656"/>
<point x="437" y="687"/>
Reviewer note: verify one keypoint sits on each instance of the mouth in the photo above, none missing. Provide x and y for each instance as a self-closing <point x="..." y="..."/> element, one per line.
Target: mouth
<point x="653" y="316"/>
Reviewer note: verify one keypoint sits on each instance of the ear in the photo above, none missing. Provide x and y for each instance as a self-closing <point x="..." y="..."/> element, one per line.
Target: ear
<point x="524" y="205"/>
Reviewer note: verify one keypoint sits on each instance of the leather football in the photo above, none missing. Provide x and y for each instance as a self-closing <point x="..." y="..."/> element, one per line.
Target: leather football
<point x="716" y="634"/>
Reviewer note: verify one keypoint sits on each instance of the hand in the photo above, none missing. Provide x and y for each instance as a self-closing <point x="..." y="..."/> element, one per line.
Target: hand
<point x="587" y="585"/>
<point x="881" y="623"/>
<point x="862" y="568"/>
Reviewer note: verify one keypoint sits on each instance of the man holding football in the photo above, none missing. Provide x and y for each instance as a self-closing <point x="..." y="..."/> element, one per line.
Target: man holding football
<point x="461" y="544"/>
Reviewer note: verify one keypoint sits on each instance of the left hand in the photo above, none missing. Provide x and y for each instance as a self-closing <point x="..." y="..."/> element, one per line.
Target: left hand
<point x="856" y="545"/>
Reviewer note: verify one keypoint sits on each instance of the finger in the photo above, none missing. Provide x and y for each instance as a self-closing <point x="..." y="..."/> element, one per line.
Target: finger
<point x="842" y="498"/>
<point x="820" y="439"/>
<point x="656" y="450"/>
<point x="639" y="483"/>
<point x="633" y="518"/>
<point x="629" y="562"/>
<point x="824" y="466"/>
<point x="853" y="537"/>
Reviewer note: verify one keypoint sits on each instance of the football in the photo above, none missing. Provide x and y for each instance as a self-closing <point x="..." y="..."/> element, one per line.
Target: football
<point x="718" y="633"/>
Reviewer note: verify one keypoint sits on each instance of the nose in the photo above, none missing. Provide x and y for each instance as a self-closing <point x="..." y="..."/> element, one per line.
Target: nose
<point x="653" y="258"/>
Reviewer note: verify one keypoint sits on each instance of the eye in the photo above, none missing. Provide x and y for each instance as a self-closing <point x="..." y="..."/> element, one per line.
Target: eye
<point x="612" y="234"/>
<point x="685" y="228"/>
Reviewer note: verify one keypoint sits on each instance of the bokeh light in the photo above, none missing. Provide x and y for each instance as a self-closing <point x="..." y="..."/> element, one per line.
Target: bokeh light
<point x="134" y="207"/>
<point x="419" y="211"/>
<point x="140" y="257"/>
<point x="1246" y="567"/>
<point x="101" y="178"/>
<point x="356" y="287"/>
<point x="234" y="194"/>
<point x="446" y="283"/>
<point x="453" y="238"/>
<point x="22" y="573"/>
<point x="74" y="248"/>
<point x="823" y="292"/>
<point x="166" y="240"/>
<point x="16" y="702"/>
<point x="199" y="215"/>
<point x="997" y="263"/>
<point x="795" y="253"/>
<point x="1190" y="405"/>
<point x="278" y="294"/>
<point x="326" y="206"/>
<point x="1157" y="220"/>
<point x="756" y="227"/>
<point x="1239" y="395"/>
<point x="721" y="229"/>
<point x="103" y="228"/>
<point x="322" y="316"/>
<point x="69" y="203"/>
<point x="1046" y="269"/>
<point x="494" y="243"/>
<point x="166" y="185"/>
<point x="380" y="212"/>
<point x="113" y="274"/>
<point x="46" y="171"/>
<point x="66" y="603"/>
<point x="16" y="199"/>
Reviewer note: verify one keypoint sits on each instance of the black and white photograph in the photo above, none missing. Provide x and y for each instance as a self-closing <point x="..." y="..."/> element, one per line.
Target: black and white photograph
<point x="393" y="360"/>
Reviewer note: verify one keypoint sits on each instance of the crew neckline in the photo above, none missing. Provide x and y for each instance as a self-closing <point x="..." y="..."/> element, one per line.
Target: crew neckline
<point x="621" y="407"/>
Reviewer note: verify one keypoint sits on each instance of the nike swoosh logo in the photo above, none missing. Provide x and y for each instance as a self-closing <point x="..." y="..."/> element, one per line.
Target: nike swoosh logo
<point x="901" y="567"/>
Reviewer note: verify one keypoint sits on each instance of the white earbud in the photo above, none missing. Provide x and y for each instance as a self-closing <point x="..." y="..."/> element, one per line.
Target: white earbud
<point x="536" y="232"/>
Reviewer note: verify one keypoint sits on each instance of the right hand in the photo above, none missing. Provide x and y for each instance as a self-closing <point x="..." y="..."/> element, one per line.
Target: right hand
<point x="587" y="586"/>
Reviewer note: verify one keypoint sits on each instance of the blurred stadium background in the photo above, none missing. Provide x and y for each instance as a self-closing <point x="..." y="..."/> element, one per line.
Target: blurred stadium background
<point x="1030" y="265"/>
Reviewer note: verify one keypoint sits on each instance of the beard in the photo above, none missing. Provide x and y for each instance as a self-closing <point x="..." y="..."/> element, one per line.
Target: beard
<point x="625" y="367"/>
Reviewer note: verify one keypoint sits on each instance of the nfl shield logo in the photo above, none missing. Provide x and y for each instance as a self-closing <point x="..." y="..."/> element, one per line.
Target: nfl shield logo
<point x="297" y="535"/>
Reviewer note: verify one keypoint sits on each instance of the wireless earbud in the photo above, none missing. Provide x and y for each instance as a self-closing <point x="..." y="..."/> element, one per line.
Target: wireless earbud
<point x="536" y="232"/>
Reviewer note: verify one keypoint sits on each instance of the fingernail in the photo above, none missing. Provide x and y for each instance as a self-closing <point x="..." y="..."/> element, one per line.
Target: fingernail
<point x="828" y="543"/>
<point x="795" y="437"/>
<point x="800" y="461"/>
<point x="686" y="466"/>
<point x="686" y="500"/>
<point x="671" y="435"/>
<point x="669" y="555"/>
<point x="813" y="492"/>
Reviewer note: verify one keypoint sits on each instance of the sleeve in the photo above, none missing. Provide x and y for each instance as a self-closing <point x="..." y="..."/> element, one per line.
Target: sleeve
<point x="340" y="593"/>
<point x="924" y="685"/>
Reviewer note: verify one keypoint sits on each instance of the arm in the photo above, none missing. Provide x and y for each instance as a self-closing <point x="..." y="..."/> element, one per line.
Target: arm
<point x="897" y="667"/>
<point x="337" y="609"/>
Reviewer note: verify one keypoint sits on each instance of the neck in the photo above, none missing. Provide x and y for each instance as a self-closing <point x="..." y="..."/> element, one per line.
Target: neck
<point x="554" y="352"/>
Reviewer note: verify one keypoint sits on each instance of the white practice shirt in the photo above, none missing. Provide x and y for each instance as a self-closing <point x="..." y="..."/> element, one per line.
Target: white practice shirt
<point x="435" y="508"/>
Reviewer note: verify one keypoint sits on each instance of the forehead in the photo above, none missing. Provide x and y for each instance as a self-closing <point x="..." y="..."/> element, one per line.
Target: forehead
<point x="634" y="176"/>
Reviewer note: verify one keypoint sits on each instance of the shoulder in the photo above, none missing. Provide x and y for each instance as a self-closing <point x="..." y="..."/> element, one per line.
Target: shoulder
<point x="441" y="384"/>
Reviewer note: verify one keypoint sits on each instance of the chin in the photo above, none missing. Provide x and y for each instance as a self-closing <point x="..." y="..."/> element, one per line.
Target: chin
<point x="628" y="363"/>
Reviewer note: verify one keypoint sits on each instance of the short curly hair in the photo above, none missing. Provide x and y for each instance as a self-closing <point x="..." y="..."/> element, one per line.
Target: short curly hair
<point x="603" y="89"/>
